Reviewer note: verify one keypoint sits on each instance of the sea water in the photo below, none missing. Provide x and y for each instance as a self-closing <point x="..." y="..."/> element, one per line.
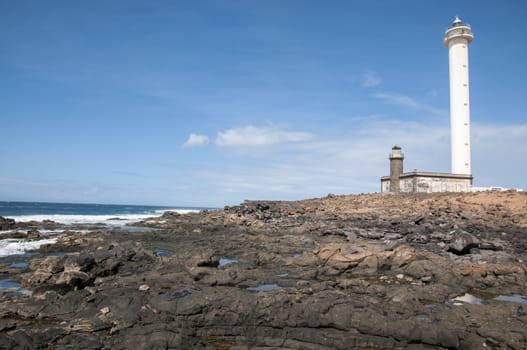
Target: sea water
<point x="73" y="214"/>
<point x="68" y="213"/>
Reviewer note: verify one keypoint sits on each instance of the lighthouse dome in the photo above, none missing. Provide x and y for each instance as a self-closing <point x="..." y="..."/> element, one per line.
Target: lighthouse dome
<point x="457" y="22"/>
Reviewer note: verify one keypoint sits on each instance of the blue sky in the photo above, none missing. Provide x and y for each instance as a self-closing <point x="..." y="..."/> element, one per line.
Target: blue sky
<point x="208" y="103"/>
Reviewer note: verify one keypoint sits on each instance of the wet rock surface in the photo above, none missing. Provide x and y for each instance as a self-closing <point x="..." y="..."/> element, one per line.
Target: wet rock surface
<point x="6" y="224"/>
<point x="342" y="272"/>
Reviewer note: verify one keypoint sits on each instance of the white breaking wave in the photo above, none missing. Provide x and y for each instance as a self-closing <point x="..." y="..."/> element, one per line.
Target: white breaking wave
<point x="12" y="246"/>
<point x="12" y="231"/>
<point x="18" y="246"/>
<point x="41" y="231"/>
<point x="180" y="211"/>
<point x="114" y="220"/>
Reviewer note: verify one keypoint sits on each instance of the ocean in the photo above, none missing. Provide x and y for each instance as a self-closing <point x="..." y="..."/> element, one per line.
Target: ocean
<point x="72" y="215"/>
<point x="69" y="213"/>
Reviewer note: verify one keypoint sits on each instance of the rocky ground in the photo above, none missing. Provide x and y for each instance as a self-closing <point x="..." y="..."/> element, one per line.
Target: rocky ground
<point x="376" y="271"/>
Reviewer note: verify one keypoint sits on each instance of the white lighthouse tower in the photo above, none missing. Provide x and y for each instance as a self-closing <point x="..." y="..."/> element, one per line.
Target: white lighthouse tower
<point x="457" y="38"/>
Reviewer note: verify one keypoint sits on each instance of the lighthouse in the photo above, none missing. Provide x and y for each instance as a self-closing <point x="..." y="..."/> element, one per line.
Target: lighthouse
<point x="457" y="39"/>
<point x="396" y="168"/>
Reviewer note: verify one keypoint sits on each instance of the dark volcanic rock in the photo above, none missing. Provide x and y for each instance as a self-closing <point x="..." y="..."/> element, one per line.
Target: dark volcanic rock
<point x="341" y="272"/>
<point x="6" y="224"/>
<point x="463" y="242"/>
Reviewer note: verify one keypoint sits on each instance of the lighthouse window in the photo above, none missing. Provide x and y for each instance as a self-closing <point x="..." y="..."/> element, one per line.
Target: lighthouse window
<point x="465" y="84"/>
<point x="466" y="104"/>
<point x="464" y="46"/>
<point x="464" y="66"/>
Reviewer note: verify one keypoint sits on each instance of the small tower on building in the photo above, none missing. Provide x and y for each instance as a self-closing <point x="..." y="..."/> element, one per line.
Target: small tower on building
<point x="457" y="38"/>
<point x="396" y="168"/>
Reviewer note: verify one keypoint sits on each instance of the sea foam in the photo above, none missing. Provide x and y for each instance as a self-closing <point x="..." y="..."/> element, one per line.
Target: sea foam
<point x="18" y="246"/>
<point x="114" y="220"/>
<point x="111" y="216"/>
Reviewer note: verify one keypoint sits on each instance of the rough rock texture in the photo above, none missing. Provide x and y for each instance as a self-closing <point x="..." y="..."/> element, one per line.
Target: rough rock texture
<point x="342" y="272"/>
<point x="6" y="224"/>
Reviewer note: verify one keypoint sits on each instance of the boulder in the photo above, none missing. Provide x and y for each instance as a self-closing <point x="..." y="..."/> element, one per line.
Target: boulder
<point x="6" y="224"/>
<point x="462" y="242"/>
<point x="206" y="258"/>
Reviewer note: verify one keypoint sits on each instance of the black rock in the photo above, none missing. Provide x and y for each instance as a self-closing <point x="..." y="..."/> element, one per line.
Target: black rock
<point x="463" y="242"/>
<point x="6" y="224"/>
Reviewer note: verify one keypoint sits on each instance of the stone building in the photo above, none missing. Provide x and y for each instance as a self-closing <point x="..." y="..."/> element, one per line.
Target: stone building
<point x="421" y="181"/>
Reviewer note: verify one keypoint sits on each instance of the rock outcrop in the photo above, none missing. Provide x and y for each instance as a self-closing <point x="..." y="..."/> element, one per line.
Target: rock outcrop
<point x="344" y="272"/>
<point x="6" y="224"/>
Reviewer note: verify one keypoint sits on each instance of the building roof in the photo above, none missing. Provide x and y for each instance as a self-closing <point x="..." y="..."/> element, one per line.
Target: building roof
<point x="416" y="173"/>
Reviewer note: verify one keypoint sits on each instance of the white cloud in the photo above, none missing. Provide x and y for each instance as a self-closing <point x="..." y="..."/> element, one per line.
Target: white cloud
<point x="350" y="163"/>
<point x="371" y="79"/>
<point x="397" y="99"/>
<point x="490" y="134"/>
<point x="251" y="136"/>
<point x="355" y="162"/>
<point x="402" y="100"/>
<point x="21" y="182"/>
<point x="497" y="155"/>
<point x="196" y="140"/>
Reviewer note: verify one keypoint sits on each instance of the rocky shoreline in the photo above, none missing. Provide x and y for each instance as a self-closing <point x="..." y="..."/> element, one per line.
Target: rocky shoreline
<point x="374" y="271"/>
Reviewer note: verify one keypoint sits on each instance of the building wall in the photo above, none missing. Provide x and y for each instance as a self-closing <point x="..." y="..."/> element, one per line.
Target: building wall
<point x="385" y="185"/>
<point x="429" y="184"/>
